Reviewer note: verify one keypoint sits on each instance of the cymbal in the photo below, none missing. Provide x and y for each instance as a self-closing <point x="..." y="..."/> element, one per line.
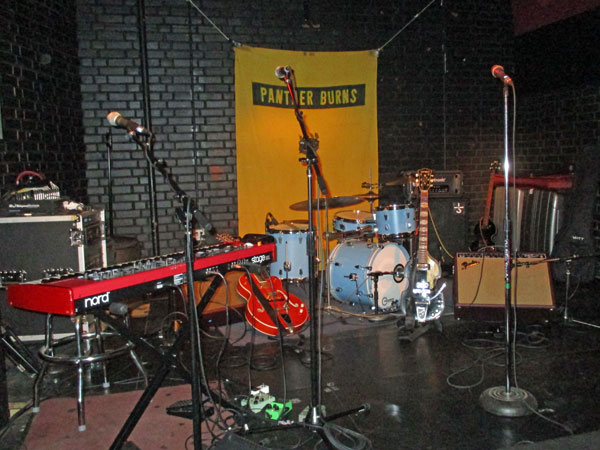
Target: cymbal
<point x="404" y="179"/>
<point x="327" y="202"/>
<point x="369" y="196"/>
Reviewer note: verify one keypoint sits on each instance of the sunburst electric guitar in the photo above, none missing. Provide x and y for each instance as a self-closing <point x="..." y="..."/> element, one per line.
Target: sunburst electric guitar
<point x="428" y="299"/>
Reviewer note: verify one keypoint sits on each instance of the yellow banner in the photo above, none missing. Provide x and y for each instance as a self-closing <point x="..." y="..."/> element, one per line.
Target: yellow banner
<point x="337" y="93"/>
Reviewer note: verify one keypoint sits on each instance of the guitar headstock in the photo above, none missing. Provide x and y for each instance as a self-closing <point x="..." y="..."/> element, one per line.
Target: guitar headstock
<point x="495" y="166"/>
<point x="424" y="179"/>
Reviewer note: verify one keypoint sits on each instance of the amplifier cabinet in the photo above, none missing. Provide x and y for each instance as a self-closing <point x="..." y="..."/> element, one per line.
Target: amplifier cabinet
<point x="479" y="286"/>
<point x="34" y="247"/>
<point x="447" y="228"/>
<point x="445" y="183"/>
<point x="536" y="216"/>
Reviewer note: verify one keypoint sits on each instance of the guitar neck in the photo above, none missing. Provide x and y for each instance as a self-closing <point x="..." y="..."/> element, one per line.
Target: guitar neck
<point x="423" y="230"/>
<point x="488" y="202"/>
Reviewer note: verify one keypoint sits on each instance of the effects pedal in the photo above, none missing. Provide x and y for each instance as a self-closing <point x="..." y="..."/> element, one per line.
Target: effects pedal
<point x="258" y="402"/>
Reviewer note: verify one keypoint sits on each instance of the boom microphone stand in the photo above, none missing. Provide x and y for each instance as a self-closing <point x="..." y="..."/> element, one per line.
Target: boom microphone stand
<point x="507" y="400"/>
<point x="308" y="147"/>
<point x="188" y="215"/>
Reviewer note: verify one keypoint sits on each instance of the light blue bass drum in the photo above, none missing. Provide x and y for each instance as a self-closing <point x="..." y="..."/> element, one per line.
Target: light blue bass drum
<point x="355" y="266"/>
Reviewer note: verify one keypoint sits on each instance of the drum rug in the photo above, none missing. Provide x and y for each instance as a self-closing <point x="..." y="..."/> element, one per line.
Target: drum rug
<point x="55" y="425"/>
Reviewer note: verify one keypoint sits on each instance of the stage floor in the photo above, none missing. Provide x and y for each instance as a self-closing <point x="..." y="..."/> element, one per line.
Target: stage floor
<point x="422" y="394"/>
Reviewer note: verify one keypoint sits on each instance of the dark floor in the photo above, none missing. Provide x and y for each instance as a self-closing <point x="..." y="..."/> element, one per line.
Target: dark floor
<point x="422" y="394"/>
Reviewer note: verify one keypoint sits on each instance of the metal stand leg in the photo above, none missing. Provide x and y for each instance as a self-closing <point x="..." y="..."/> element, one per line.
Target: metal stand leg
<point x="100" y="341"/>
<point x="40" y="376"/>
<point x="566" y="317"/>
<point x="36" y="387"/>
<point x="80" y="402"/>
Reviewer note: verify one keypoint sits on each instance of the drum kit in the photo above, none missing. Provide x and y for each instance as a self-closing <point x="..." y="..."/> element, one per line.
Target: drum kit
<point x="370" y="263"/>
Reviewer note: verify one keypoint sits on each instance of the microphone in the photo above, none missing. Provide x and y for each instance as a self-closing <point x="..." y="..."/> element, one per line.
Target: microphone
<point x="117" y="120"/>
<point x="282" y="72"/>
<point x="498" y="72"/>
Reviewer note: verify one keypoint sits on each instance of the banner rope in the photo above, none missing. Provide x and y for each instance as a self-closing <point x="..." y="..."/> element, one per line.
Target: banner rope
<point x="379" y="50"/>
<point x="406" y="26"/>
<point x="214" y="25"/>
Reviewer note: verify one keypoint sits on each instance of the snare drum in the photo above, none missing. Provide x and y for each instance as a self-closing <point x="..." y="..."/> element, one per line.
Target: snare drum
<point x="395" y="220"/>
<point x="353" y="260"/>
<point x="353" y="220"/>
<point x="290" y="243"/>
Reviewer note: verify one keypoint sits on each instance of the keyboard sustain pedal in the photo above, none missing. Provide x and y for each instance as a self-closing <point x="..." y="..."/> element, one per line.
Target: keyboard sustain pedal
<point x="184" y="408"/>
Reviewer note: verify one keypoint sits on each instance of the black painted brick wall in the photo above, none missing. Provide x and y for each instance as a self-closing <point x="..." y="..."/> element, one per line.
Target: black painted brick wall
<point x="41" y="101"/>
<point x="438" y="105"/>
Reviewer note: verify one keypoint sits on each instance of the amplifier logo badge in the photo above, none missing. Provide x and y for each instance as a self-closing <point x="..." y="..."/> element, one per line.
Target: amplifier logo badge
<point x="96" y="300"/>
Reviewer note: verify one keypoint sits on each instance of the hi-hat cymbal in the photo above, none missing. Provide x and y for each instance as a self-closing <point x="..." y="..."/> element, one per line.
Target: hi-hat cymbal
<point x="369" y="196"/>
<point x="327" y="202"/>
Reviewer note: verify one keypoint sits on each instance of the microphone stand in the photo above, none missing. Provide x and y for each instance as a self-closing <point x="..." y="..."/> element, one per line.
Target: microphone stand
<point x="308" y="147"/>
<point x="507" y="400"/>
<point x="109" y="150"/>
<point x="188" y="215"/>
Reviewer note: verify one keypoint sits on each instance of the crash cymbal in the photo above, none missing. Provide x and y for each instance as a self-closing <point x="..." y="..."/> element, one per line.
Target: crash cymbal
<point x="327" y="202"/>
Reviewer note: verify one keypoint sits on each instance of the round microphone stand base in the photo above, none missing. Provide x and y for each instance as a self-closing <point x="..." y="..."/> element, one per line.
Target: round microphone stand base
<point x="516" y="402"/>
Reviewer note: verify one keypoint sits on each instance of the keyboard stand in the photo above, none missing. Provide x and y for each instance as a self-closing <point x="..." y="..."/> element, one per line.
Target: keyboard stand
<point x="167" y="360"/>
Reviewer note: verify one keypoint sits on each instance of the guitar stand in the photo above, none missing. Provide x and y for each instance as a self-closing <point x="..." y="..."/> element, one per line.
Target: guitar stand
<point x="413" y="333"/>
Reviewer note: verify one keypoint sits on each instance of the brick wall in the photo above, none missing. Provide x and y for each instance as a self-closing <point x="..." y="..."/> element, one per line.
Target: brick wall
<point x="435" y="103"/>
<point x="438" y="105"/>
<point x="41" y="101"/>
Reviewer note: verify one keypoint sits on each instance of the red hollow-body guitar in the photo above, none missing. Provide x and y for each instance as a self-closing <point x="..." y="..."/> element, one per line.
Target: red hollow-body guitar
<point x="268" y="302"/>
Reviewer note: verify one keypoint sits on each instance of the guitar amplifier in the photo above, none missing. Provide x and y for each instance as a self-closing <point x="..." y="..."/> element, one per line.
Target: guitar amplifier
<point x="479" y="286"/>
<point x="35" y="247"/>
<point x="445" y="183"/>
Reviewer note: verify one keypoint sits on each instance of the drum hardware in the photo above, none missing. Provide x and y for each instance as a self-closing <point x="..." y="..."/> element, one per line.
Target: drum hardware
<point x="568" y="262"/>
<point x="342" y="235"/>
<point x="326" y="202"/>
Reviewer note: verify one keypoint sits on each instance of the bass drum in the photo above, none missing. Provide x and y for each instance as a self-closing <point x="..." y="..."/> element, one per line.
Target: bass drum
<point x="290" y="242"/>
<point x="352" y="261"/>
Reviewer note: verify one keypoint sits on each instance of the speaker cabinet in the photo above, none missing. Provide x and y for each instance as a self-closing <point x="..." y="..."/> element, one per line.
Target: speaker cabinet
<point x="479" y="286"/>
<point x="447" y="227"/>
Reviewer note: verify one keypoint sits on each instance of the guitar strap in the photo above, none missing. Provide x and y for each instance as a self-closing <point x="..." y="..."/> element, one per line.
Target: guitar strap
<point x="265" y="304"/>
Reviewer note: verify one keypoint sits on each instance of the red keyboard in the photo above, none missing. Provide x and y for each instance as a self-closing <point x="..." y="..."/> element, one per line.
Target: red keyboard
<point x="97" y="289"/>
